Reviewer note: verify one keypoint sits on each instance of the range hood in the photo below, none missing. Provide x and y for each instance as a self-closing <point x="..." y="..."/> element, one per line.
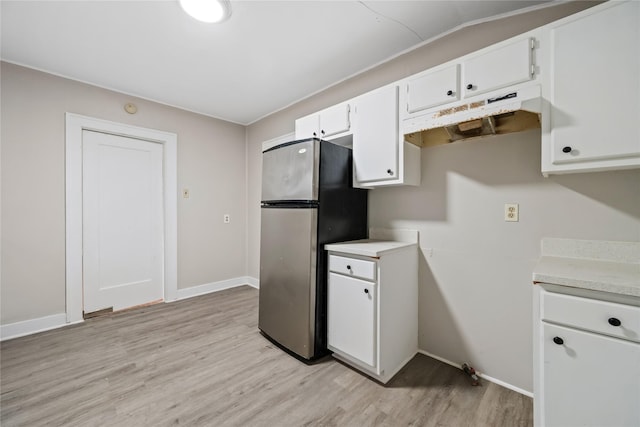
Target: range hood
<point x="507" y="112"/>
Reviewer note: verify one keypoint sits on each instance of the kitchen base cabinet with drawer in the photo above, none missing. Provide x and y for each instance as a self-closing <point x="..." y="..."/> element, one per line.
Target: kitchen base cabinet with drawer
<point x="372" y="309"/>
<point x="588" y="366"/>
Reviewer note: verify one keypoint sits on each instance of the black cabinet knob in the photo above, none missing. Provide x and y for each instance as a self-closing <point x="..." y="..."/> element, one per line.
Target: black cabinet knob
<point x="449" y="92"/>
<point x="366" y="291"/>
<point x="322" y="132"/>
<point x="469" y="86"/>
<point x="315" y="134"/>
<point x="348" y="267"/>
<point x="558" y="340"/>
<point x="389" y="171"/>
<point x="566" y="150"/>
<point x="614" y="322"/>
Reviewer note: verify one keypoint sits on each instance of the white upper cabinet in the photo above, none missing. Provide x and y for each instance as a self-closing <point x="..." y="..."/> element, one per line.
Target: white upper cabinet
<point x="593" y="88"/>
<point x="499" y="67"/>
<point x="375" y="142"/>
<point x="488" y="70"/>
<point x="326" y="124"/>
<point x="308" y="126"/>
<point x="335" y="120"/>
<point x="380" y="157"/>
<point x="433" y="88"/>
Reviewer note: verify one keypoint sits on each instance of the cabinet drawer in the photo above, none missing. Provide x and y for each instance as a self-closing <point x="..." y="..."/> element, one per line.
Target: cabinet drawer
<point x="353" y="267"/>
<point x="604" y="317"/>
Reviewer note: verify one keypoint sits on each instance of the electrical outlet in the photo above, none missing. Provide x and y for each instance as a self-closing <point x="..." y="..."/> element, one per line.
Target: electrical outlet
<point x="185" y="193"/>
<point x="511" y="213"/>
<point x="226" y="218"/>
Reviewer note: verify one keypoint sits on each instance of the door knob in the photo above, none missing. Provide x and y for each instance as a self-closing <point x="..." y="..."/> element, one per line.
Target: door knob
<point x="449" y="92"/>
<point x="558" y="340"/>
<point x="566" y="150"/>
<point x="469" y="86"/>
<point x="389" y="171"/>
<point x="614" y="322"/>
<point x="366" y="291"/>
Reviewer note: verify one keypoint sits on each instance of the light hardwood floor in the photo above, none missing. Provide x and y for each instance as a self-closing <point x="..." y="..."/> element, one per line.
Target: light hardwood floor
<point x="202" y="362"/>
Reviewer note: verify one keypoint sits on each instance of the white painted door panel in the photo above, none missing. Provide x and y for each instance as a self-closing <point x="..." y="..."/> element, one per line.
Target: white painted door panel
<point x="502" y="67"/>
<point x="334" y="120"/>
<point x="595" y="89"/>
<point x="122" y="221"/>
<point x="433" y="88"/>
<point x="589" y="379"/>
<point x="307" y="127"/>
<point x="351" y="317"/>
<point x="375" y="139"/>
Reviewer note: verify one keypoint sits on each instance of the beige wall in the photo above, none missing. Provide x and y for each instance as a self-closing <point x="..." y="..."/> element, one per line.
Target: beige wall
<point x="211" y="163"/>
<point x="475" y="269"/>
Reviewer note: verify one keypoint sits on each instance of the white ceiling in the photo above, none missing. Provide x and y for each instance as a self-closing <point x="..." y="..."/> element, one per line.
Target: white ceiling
<point x="268" y="55"/>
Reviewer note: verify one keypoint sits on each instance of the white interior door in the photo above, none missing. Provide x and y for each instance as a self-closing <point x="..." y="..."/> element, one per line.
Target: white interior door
<point x="122" y="204"/>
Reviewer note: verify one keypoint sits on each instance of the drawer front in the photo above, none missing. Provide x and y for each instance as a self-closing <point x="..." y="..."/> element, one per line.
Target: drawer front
<point x="353" y="267"/>
<point x="618" y="320"/>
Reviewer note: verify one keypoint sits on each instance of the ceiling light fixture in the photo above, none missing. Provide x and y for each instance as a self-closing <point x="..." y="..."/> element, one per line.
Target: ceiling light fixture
<point x="207" y="10"/>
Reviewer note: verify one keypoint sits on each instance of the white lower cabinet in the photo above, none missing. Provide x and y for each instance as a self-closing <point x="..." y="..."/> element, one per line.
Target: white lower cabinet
<point x="373" y="310"/>
<point x="588" y="366"/>
<point x="590" y="379"/>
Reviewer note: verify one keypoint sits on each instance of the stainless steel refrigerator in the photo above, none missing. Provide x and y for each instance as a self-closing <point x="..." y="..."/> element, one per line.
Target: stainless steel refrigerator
<point x="307" y="201"/>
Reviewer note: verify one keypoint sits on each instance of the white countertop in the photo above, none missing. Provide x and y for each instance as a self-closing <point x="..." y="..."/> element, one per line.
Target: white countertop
<point x="368" y="247"/>
<point x="612" y="267"/>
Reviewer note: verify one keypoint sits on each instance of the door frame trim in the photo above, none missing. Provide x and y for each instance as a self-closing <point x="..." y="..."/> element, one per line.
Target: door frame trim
<point x="75" y="124"/>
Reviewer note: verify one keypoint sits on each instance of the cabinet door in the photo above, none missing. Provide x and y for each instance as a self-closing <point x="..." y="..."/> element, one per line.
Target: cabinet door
<point x="595" y="86"/>
<point x="351" y="324"/>
<point x="434" y="88"/>
<point x="375" y="136"/>
<point x="589" y="379"/>
<point x="307" y="127"/>
<point x="335" y="120"/>
<point x="498" y="68"/>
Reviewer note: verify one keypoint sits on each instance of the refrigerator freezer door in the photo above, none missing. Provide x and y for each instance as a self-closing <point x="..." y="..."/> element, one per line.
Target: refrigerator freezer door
<point x="290" y="172"/>
<point x="288" y="277"/>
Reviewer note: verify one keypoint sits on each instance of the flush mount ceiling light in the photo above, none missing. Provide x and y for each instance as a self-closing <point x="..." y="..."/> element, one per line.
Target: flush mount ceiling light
<point x="207" y="10"/>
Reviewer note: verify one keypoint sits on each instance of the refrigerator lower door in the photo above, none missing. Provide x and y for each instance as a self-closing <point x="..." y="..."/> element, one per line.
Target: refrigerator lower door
<point x="288" y="249"/>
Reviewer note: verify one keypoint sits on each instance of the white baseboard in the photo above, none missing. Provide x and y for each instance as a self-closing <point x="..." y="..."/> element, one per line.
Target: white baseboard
<point x="41" y="324"/>
<point x="481" y="375"/>
<point x="253" y="282"/>
<point x="207" y="288"/>
<point x="33" y="326"/>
